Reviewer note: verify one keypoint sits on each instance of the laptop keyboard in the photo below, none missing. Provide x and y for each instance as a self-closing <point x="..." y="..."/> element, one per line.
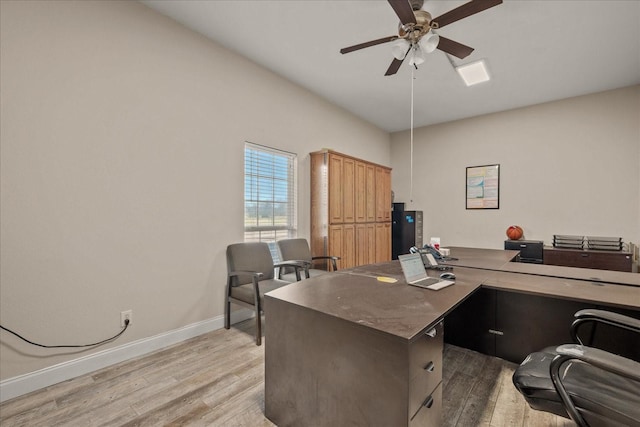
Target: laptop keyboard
<point x="432" y="283"/>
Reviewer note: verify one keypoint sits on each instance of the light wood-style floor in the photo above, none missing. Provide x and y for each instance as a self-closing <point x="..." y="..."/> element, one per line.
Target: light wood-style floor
<point x="217" y="379"/>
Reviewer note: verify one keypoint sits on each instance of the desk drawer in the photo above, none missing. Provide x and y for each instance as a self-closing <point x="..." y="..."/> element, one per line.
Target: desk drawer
<point x="425" y="367"/>
<point x="422" y="386"/>
<point x="425" y="350"/>
<point x="430" y="413"/>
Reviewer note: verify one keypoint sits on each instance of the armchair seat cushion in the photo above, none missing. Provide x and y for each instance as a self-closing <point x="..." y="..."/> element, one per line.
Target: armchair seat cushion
<point x="313" y="272"/>
<point x="298" y="250"/>
<point x="603" y="398"/>
<point x="245" y="292"/>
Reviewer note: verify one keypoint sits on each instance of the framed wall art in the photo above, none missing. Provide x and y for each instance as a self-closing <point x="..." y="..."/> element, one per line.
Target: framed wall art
<point x="483" y="187"/>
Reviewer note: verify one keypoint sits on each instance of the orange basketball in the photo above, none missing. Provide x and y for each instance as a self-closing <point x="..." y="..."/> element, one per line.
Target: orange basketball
<point x="514" y="232"/>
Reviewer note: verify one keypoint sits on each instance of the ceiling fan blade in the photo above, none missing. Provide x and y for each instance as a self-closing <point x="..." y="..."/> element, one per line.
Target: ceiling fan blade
<point x="394" y="67"/>
<point x="402" y="8"/>
<point x="454" y="48"/>
<point x="467" y="9"/>
<point x="368" y="44"/>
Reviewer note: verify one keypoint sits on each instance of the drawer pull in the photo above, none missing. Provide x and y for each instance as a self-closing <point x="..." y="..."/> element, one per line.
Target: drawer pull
<point x="429" y="367"/>
<point x="431" y="332"/>
<point x="428" y="402"/>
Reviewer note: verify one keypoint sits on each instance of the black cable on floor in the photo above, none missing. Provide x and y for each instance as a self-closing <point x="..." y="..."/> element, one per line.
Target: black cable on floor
<point x="126" y="325"/>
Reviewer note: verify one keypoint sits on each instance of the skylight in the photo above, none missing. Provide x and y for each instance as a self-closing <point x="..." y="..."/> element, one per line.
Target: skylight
<point x="473" y="73"/>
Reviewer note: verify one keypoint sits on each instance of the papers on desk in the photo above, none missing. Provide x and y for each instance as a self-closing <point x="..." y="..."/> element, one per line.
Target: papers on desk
<point x="386" y="279"/>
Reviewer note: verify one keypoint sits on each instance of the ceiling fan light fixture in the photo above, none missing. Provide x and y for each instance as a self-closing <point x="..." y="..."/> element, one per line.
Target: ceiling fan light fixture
<point x="417" y="56"/>
<point x="430" y="42"/>
<point x="399" y="49"/>
<point x="474" y="72"/>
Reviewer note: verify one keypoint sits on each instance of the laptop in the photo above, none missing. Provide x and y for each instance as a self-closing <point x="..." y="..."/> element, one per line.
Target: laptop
<point x="416" y="275"/>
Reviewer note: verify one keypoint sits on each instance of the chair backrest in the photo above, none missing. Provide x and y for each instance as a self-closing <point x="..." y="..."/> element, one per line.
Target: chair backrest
<point x="294" y="249"/>
<point x="253" y="256"/>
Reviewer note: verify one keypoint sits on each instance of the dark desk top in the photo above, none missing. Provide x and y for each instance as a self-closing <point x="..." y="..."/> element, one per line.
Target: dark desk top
<point x="405" y="311"/>
<point x="488" y="259"/>
<point x="397" y="308"/>
<point x="589" y="274"/>
<point x="572" y="289"/>
<point x="493" y="259"/>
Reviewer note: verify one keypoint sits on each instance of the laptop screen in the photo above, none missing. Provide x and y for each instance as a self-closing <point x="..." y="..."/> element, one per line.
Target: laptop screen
<point x="412" y="267"/>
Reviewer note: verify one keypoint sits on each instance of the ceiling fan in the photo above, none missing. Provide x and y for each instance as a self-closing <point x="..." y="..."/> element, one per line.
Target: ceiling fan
<point x="415" y="31"/>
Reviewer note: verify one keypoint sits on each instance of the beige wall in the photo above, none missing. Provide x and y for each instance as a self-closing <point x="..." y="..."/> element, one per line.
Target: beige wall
<point x="122" y="158"/>
<point x="566" y="167"/>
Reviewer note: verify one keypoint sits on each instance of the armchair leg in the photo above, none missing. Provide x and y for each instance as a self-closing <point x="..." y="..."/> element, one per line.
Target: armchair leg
<point x="227" y="314"/>
<point x="258" y="327"/>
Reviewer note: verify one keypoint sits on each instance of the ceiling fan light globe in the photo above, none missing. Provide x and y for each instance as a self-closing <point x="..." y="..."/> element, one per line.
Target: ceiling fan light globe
<point x="417" y="56"/>
<point x="430" y="42"/>
<point x="399" y="49"/>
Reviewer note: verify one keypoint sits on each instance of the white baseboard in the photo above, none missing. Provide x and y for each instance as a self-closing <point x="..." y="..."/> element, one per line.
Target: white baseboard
<point x="23" y="384"/>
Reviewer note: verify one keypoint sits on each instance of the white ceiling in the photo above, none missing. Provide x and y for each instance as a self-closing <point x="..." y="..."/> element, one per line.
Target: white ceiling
<point x="536" y="51"/>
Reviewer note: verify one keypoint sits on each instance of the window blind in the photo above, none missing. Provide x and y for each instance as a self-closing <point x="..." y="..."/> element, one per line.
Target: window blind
<point x="270" y="177"/>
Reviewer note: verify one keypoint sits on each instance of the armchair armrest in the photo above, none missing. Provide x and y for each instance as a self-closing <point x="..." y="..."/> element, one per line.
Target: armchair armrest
<point x="333" y="260"/>
<point x="254" y="274"/>
<point x="297" y="265"/>
<point x="602" y="359"/>
<point x="607" y="361"/>
<point x="602" y="316"/>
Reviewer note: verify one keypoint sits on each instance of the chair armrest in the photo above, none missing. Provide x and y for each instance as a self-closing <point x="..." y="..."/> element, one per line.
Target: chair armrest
<point x="602" y="359"/>
<point x="297" y="265"/>
<point x="602" y="316"/>
<point x="329" y="257"/>
<point x="255" y="274"/>
<point x="255" y="278"/>
<point x="607" y="361"/>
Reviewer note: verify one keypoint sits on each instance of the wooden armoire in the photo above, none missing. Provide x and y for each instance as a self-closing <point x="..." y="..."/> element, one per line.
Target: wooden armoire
<point x="350" y="209"/>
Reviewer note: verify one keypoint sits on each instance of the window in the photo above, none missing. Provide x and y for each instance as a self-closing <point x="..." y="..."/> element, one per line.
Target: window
<point x="269" y="194"/>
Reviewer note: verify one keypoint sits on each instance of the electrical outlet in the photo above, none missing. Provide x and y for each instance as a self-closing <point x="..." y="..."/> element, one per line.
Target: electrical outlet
<point x="124" y="316"/>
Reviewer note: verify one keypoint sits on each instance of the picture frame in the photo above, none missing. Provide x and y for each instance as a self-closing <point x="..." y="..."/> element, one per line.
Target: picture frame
<point x="483" y="187"/>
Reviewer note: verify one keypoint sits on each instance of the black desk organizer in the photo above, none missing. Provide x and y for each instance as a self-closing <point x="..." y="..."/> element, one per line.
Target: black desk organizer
<point x="587" y="242"/>
<point x="530" y="250"/>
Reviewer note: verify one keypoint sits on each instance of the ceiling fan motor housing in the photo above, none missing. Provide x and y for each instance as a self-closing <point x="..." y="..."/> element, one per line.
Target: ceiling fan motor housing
<point x="421" y="27"/>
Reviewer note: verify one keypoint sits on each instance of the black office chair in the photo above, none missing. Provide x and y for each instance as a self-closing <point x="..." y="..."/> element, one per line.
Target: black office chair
<point x="298" y="250"/>
<point x="250" y="274"/>
<point x="590" y="386"/>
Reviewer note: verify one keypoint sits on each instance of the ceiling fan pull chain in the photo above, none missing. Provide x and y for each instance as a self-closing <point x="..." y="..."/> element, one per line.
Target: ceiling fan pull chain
<point x="411" y="157"/>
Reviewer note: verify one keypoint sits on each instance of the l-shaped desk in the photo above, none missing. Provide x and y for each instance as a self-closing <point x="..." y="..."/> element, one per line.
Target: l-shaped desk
<point x="347" y="349"/>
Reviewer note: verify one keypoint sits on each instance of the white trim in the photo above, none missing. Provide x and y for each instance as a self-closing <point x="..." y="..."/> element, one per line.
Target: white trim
<point x="23" y="384"/>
